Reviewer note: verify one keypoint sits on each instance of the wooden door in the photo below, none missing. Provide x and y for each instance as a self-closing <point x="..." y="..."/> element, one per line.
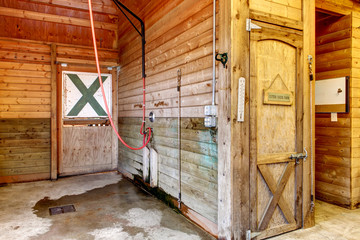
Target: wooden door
<point x="87" y="142"/>
<point x="276" y="111"/>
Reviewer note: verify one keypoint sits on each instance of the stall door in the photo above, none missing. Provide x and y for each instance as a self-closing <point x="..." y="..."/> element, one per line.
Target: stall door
<point x="87" y="140"/>
<point x="276" y="130"/>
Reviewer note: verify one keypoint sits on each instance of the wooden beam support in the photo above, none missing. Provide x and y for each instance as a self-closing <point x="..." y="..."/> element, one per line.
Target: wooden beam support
<point x="233" y="138"/>
<point x="59" y="117"/>
<point x="115" y="114"/>
<point x="309" y="49"/>
<point x="45" y="17"/>
<point x="54" y="143"/>
<point x="225" y="175"/>
<point x="240" y="131"/>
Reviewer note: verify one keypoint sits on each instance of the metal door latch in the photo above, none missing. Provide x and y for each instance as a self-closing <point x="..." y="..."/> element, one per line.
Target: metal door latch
<point x="299" y="156"/>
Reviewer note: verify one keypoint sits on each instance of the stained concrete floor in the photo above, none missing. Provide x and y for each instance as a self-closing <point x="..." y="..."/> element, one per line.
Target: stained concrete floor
<point x="107" y="207"/>
<point x="331" y="223"/>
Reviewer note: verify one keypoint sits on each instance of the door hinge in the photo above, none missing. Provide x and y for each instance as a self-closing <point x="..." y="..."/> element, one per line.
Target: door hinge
<point x="250" y="235"/>
<point x="250" y="25"/>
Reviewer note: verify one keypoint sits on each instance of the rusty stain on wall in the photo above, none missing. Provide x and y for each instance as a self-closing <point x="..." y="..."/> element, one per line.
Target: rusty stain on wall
<point x="161" y="103"/>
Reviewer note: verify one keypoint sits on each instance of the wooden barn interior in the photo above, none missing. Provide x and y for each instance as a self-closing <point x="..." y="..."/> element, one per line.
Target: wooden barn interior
<point x="336" y="146"/>
<point x="233" y="133"/>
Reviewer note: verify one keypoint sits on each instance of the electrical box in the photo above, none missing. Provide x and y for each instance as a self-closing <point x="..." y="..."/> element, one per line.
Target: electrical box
<point x="210" y="113"/>
<point x="211" y="110"/>
<point x="332" y="95"/>
<point x="210" y="122"/>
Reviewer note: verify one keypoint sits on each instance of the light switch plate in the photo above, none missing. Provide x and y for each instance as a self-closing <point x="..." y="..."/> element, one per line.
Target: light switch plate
<point x="334" y="117"/>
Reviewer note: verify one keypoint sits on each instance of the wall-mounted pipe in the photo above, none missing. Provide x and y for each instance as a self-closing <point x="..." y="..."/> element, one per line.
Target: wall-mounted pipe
<point x="179" y="133"/>
<point x="214" y="54"/>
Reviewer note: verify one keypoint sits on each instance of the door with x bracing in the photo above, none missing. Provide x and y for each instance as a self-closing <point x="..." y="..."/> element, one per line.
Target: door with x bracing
<point x="276" y="130"/>
<point x="86" y="144"/>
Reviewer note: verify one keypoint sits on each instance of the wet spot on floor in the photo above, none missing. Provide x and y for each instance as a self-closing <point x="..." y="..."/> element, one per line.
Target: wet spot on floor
<point x="116" y="211"/>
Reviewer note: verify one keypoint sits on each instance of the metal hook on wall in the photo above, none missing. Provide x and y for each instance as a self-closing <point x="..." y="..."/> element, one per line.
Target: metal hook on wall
<point x="222" y="57"/>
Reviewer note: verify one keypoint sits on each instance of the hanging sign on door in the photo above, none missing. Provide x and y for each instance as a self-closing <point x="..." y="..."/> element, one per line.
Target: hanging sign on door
<point x="277" y="96"/>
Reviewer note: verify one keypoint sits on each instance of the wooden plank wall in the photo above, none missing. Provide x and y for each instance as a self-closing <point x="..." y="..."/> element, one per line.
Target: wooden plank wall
<point x="182" y="39"/>
<point x="333" y="139"/>
<point x="288" y="9"/>
<point x="29" y="27"/>
<point x="86" y="150"/>
<point x="24" y="149"/>
<point x="344" y="7"/>
<point x="198" y="159"/>
<point x="60" y="21"/>
<point x="355" y="112"/>
<point x="25" y="88"/>
<point x="178" y="36"/>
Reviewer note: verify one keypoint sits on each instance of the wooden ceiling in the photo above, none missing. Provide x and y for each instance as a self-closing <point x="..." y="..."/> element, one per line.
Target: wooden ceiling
<point x="145" y="9"/>
<point x="67" y="21"/>
<point x="149" y="11"/>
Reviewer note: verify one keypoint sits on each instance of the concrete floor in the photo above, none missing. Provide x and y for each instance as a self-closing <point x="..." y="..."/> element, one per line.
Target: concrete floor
<point x="332" y="223"/>
<point x="107" y="207"/>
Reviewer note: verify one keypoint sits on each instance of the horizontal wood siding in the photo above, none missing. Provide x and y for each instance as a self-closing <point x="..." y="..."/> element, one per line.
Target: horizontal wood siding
<point x="198" y="159"/>
<point x="25" y="90"/>
<point x="25" y="73"/>
<point x="178" y="36"/>
<point x="24" y="149"/>
<point x="344" y="7"/>
<point x="27" y="83"/>
<point x="181" y="39"/>
<point x="333" y="139"/>
<point x="280" y="12"/>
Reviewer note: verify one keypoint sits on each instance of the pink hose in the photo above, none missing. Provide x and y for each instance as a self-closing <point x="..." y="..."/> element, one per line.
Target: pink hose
<point x="145" y="142"/>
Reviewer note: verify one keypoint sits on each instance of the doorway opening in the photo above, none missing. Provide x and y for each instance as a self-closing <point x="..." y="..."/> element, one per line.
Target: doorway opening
<point x="334" y="127"/>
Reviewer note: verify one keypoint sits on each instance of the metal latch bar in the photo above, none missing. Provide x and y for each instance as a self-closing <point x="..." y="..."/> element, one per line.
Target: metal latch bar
<point x="299" y="156"/>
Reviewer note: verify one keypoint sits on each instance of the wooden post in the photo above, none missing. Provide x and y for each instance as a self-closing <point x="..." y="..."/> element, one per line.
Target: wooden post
<point x="233" y="138"/>
<point x="54" y="165"/>
<point x="224" y="127"/>
<point x="115" y="141"/>
<point x="240" y="131"/>
<point x="309" y="49"/>
<point x="59" y="117"/>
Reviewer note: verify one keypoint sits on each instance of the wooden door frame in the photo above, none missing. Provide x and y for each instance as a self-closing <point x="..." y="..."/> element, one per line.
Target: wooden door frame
<point x="233" y="142"/>
<point x="288" y="37"/>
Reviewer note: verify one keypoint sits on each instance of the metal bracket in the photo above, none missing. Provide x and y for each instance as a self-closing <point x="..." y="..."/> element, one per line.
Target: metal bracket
<point x="178" y="79"/>
<point x="141" y="32"/>
<point x="310" y="62"/>
<point x="250" y="25"/>
<point x="223" y="58"/>
<point x="250" y="235"/>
